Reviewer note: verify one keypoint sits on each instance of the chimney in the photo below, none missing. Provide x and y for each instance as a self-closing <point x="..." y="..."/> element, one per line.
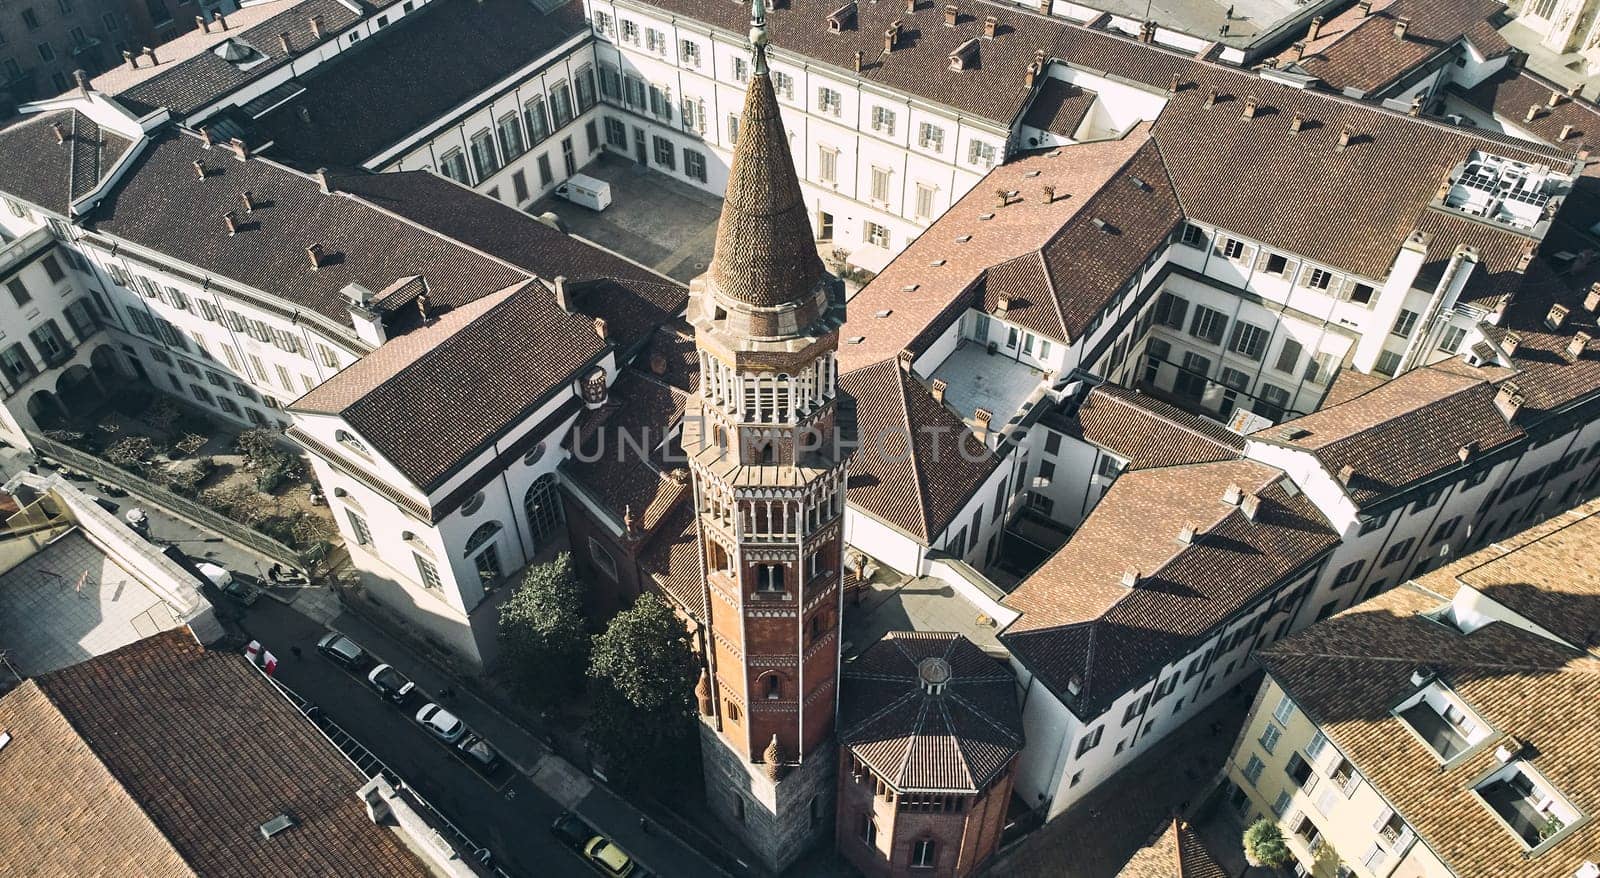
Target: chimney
<point x="630" y="525"/>
<point x="132" y="59"/>
<point x="206" y="139"/>
<point x="231" y="221"/>
<point x="939" y="386"/>
<point x="1578" y="345"/>
<point x="1346" y="473"/>
<point x="81" y="77"/>
<point x="1344" y="139"/>
<point x="304" y="112"/>
<point x="1251" y="506"/>
<point x="889" y="37"/>
<point x="323" y="185"/>
<point x="1591" y="302"/>
<point x="422" y="309"/>
<point x="911" y="6"/>
<point x="1465" y="452"/>
<point x="199" y="169"/>
<point x="60" y="132"/>
<point x="316" y="27"/>
<point x="1147" y="32"/>
<point x="1211" y="99"/>
<point x="1416" y="107"/>
<point x="1533" y="113"/>
<point x="1400" y="26"/>
<point x="1044" y="6"/>
<point x="1566" y="132"/>
<point x="151" y="53"/>
<point x="1298" y="50"/>
<point x="1002" y="304"/>
<point x="1556" y="316"/>
<point x="200" y="22"/>
<point x="1510" y="343"/>
<point x="989" y="25"/>
<point x="1525" y="260"/>
<point x="1576" y="91"/>
<point x="315" y="254"/>
<point x="1049" y="193"/>
<point x="858" y="61"/>
<point x="1554" y="100"/>
<point x="249" y="201"/>
<point x="1186" y="535"/>
<point x="965" y="55"/>
<point x="1315" y="29"/>
<point x="950" y="16"/>
<point x="240" y="151"/>
<point x="702" y="694"/>
<point x="1508" y="400"/>
<point x="1173" y="84"/>
<point x="981" y="419"/>
<point x="284" y="44"/>
<point x="602" y="329"/>
<point x="1249" y="108"/>
<point x="563" y="294"/>
<point x="658" y="363"/>
<point x="1364" y="8"/>
<point x="905" y="359"/>
<point x="222" y="21"/>
<point x="1296" y="123"/>
<point x="1232" y="495"/>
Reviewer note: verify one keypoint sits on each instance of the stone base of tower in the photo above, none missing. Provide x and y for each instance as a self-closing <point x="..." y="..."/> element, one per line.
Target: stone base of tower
<point x="777" y="821"/>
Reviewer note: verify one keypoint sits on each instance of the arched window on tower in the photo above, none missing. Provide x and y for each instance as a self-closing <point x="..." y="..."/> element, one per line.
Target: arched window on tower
<point x="772" y="685"/>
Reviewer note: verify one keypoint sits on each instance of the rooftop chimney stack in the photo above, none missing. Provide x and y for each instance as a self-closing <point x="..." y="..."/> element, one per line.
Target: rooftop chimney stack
<point x="1556" y="316"/>
<point x="939" y="387"/>
<point x="205" y="137"/>
<point x="1049" y="192"/>
<point x="1533" y="113"/>
<point x="199" y="169"/>
<point x="230" y="220"/>
<point x="1578" y="345"/>
<point x="1525" y="260"/>
<point x="1211" y="99"/>
<point x="200" y="22"/>
<point x="1346" y="473"/>
<point x="240" y="151"/>
<point x="315" y="254"/>
<point x="1465" y="452"/>
<point x="422" y="309"/>
<point x="323" y="185"/>
<point x="1130" y="578"/>
<point x="1416" y="107"/>
<point x="911" y="6"/>
<point x="1344" y="139"/>
<point x="990" y="23"/>
<point x="951" y="14"/>
<point x="1297" y="122"/>
<point x="81" y="77"/>
<point x="1400" y="26"/>
<point x="1508" y="400"/>
<point x="132" y="59"/>
<point x="858" y="61"/>
<point x="222" y="20"/>
<point x="1510" y="343"/>
<point x="316" y="27"/>
<point x="1576" y="91"/>
<point x="249" y="201"/>
<point x="1554" y="100"/>
<point x="1251" y="506"/>
<point x="1232" y="495"/>
<point x="1044" y="6"/>
<point x="1566" y="132"/>
<point x="1591" y="301"/>
<point x="1315" y="29"/>
<point x="151" y="54"/>
<point x="1173" y="84"/>
<point x="1249" y="108"/>
<point x="602" y="329"/>
<point x="1364" y="7"/>
<point x="1299" y="50"/>
<point x="284" y="44"/>
<point x="60" y="132"/>
<point x="1147" y="32"/>
<point x="563" y="294"/>
<point x="890" y="35"/>
<point x="980" y="421"/>
<point x="1186" y="535"/>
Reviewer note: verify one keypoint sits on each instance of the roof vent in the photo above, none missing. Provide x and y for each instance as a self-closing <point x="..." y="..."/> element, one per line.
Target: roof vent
<point x="1401" y="24"/>
<point x="965" y="55"/>
<point x="884" y="313"/>
<point x="1556" y="316"/>
<point x="277" y="824"/>
<point x="1291" y="432"/>
<point x="1578" y="345"/>
<point x="1186" y="535"/>
<point x="1587" y="870"/>
<point x="1233" y="495"/>
<point x="5" y="738"/>
<point x="1346" y="473"/>
<point x="934" y="672"/>
<point x="1130" y="577"/>
<point x="843" y="17"/>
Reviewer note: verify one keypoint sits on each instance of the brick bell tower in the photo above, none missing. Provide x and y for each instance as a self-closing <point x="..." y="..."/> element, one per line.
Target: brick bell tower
<point x="767" y="439"/>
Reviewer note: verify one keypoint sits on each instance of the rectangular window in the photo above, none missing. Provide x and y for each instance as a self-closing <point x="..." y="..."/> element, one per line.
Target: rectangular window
<point x="52" y="268"/>
<point x="616" y="133"/>
<point x="1192" y="236"/>
<point x="1208" y="324"/>
<point x="17" y="364"/>
<point x="1348" y="573"/>
<point x="922" y="853"/>
<point x="561" y="104"/>
<point x="1445" y="531"/>
<point x="1388" y="363"/>
<point x="453" y="164"/>
<point x="537" y="120"/>
<point x="428" y="573"/>
<point x="1397" y="551"/>
<point x="876" y="235"/>
<point x="1273" y="403"/>
<point x="52" y="345"/>
<point x="1450" y="341"/>
<point x="827" y="164"/>
<point x="741" y="70"/>
<point x="783" y="84"/>
<point x="1361" y="294"/>
<point x="930" y="137"/>
<point x="1253" y="769"/>
<point x="1277" y="264"/>
<point x="1232" y="248"/>
<point x="1249" y="340"/>
<point x="1170" y="310"/>
<point x="694" y="164"/>
<point x="924" y="208"/>
<point x="1404" y="324"/>
<point x="510" y="132"/>
<point x="358" y="527"/>
<point x="829" y="101"/>
<point x="1288" y="356"/>
<point x="666" y="155"/>
<point x="1283" y="710"/>
<point x="19" y="291"/>
<point x="883" y="121"/>
<point x="880" y="184"/>
<point x="689" y="53"/>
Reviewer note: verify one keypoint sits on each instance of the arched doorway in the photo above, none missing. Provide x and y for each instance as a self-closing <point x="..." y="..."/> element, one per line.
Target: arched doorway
<point x="106" y="366"/>
<point x="485" y="553"/>
<point x="78" y="389"/>
<point x="46" y="410"/>
<point x="542" y="504"/>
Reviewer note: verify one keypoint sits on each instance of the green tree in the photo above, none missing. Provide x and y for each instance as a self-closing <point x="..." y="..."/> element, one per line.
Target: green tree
<point x="1264" y="845"/>
<point x="542" y="634"/>
<point x="644" y="672"/>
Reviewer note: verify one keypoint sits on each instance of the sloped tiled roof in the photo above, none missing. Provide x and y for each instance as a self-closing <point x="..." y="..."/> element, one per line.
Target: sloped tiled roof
<point x="1148" y="432"/>
<point x="43" y="172"/>
<point x="1347" y="673"/>
<point x="1509" y="95"/>
<point x="917" y="463"/>
<point x="1079" y="622"/>
<point x="764" y="254"/>
<point x="407" y="76"/>
<point x="1056" y="292"/>
<point x="210" y="751"/>
<point x="1499" y="253"/>
<point x="1178" y="852"/>
<point x="66" y="814"/>
<point x="199" y="76"/>
<point x="619" y="455"/>
<point x="956" y="741"/>
<point x="1059" y="107"/>
<point x="672" y="559"/>
<point x="1401" y="432"/>
<point x="430" y="399"/>
<point x="1361" y="52"/>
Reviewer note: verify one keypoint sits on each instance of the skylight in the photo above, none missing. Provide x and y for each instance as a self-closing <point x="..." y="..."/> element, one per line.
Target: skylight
<point x="1528" y="804"/>
<point x="1446" y="725"/>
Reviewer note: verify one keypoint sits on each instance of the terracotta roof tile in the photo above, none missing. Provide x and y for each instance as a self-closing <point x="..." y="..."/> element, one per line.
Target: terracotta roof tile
<point x="1363" y="54"/>
<point x="1059" y="107"/>
<point x="1178" y="852"/>
<point x="210" y="751"/>
<point x="955" y="741"/>
<point x="43" y="172"/>
<point x="1347" y="672"/>
<point x="1148" y="432"/>
<point x="1511" y="93"/>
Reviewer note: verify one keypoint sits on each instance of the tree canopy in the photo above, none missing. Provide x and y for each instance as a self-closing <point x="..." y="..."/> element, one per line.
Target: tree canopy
<point x="543" y="638"/>
<point x="644" y="670"/>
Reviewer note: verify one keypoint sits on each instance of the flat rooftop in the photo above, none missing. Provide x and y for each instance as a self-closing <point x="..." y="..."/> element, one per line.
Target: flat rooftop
<point x="71" y="601"/>
<point x="894" y="603"/>
<point x="1246" y="21"/>
<point x="978" y="379"/>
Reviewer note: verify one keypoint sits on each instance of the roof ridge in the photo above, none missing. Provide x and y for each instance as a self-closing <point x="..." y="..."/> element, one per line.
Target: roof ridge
<point x="950" y="728"/>
<point x="902" y="376"/>
<point x="983" y="715"/>
<point x="916" y="732"/>
<point x="1163" y="417"/>
<point x="72" y="161"/>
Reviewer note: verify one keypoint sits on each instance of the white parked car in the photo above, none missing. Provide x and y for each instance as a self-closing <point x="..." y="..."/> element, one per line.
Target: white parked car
<point x="442" y="723"/>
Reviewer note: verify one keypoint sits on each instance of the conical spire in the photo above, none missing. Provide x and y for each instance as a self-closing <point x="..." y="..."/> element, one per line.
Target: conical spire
<point x="765" y="255"/>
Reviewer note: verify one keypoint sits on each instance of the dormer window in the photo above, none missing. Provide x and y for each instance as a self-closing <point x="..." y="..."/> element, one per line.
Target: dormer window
<point x="1447" y="726"/>
<point x="595" y="386"/>
<point x="1526" y="803"/>
<point x="351" y="443"/>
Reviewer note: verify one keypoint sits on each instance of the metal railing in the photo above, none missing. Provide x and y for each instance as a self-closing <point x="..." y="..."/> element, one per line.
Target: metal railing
<point x="180" y="506"/>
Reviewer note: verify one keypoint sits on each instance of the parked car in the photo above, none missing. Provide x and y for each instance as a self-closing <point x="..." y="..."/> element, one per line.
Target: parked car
<point x="442" y="723"/>
<point x="604" y="853"/>
<point x="342" y="650"/>
<point x="391" y="683"/>
<point x="572" y="830"/>
<point x="240" y="592"/>
<point x="479" y="753"/>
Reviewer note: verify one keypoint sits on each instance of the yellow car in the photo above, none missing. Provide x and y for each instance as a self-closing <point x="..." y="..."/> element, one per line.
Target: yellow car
<point x="612" y="860"/>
